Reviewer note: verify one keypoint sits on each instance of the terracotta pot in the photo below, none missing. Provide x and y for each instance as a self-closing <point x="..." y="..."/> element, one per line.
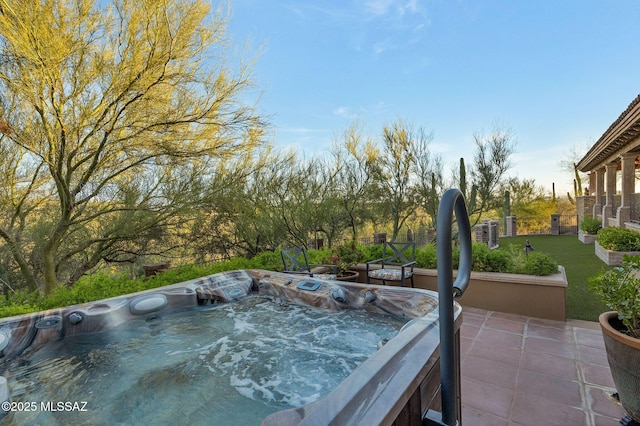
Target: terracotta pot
<point x="623" y="354"/>
<point x="350" y="276"/>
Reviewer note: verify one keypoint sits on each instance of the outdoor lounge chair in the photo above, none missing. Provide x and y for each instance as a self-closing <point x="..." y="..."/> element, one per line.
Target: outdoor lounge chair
<point x="400" y="258"/>
<point x="295" y="261"/>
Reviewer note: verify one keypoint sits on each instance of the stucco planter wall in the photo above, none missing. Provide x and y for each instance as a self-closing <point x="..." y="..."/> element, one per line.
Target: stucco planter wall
<point x="611" y="257"/>
<point x="586" y="238"/>
<point x="528" y="295"/>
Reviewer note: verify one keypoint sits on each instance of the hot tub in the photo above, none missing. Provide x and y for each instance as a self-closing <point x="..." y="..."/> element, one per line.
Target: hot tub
<point x="397" y="382"/>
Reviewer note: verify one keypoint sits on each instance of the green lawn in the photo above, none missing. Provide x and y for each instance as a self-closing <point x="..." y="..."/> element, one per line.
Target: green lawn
<point x="580" y="263"/>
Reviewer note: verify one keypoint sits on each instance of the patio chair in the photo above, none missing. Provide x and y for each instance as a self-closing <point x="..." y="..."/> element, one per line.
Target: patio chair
<point x="399" y="258"/>
<point x="295" y="261"/>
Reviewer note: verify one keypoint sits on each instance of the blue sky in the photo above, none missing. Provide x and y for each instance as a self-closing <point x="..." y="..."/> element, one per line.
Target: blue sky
<point x="557" y="73"/>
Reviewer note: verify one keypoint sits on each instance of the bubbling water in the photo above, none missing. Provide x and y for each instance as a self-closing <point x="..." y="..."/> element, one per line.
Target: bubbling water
<point x="228" y="364"/>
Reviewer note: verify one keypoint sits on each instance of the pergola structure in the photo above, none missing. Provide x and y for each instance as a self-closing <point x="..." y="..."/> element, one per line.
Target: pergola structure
<point x="611" y="159"/>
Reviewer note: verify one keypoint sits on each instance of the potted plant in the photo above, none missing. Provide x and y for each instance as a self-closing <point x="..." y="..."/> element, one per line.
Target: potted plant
<point x="589" y="228"/>
<point x="344" y="257"/>
<point x="620" y="291"/>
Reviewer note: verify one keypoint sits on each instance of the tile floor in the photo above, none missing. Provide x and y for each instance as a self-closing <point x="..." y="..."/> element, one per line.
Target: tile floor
<point x="522" y="371"/>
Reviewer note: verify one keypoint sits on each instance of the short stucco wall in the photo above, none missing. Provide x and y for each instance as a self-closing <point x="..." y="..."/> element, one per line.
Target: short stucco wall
<point x="528" y="295"/>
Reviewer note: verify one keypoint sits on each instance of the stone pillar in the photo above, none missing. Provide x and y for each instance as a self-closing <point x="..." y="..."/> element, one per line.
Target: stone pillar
<point x="599" y="192"/>
<point x="555" y="224"/>
<point x="511" y="230"/>
<point x="379" y="237"/>
<point x="315" y="243"/>
<point x="607" y="210"/>
<point x="592" y="183"/>
<point x="493" y="233"/>
<point x="481" y="231"/>
<point x="628" y="187"/>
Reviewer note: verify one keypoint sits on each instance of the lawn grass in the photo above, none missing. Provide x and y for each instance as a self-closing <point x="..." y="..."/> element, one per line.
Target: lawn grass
<point x="580" y="263"/>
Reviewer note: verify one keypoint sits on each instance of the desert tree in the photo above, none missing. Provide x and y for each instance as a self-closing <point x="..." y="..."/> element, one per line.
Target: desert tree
<point x="112" y="115"/>
<point x="430" y="182"/>
<point x="355" y="156"/>
<point x="403" y="160"/>
<point x="232" y="219"/>
<point x="491" y="161"/>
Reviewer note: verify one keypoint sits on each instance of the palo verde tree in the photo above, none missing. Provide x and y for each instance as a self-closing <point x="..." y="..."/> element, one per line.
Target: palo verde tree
<point x="233" y="219"/>
<point x="491" y="161"/>
<point x="355" y="180"/>
<point x="430" y="179"/>
<point x="112" y="115"/>
<point x="404" y="157"/>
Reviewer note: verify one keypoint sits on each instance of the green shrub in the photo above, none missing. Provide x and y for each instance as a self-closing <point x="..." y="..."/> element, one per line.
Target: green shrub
<point x="487" y="260"/>
<point x="426" y="257"/>
<point x="540" y="264"/>
<point x="12" y="310"/>
<point x="372" y="252"/>
<point x="533" y="263"/>
<point x="23" y="297"/>
<point x="591" y="225"/>
<point x="267" y="260"/>
<point x="455" y="256"/>
<point x="318" y="256"/>
<point x="619" y="239"/>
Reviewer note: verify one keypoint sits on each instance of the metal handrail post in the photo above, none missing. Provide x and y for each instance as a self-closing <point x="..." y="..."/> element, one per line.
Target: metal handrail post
<point x="451" y="201"/>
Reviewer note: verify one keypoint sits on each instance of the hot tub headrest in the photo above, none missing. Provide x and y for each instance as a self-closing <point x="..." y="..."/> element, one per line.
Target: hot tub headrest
<point x="225" y="286"/>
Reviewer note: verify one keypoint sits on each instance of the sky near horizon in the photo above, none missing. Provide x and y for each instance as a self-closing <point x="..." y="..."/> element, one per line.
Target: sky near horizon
<point x="555" y="73"/>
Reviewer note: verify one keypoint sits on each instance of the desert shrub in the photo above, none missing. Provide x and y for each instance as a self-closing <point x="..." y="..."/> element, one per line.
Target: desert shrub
<point x="318" y="256"/>
<point x="619" y="239"/>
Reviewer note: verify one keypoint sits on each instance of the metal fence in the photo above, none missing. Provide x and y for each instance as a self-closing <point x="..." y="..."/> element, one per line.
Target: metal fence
<point x="421" y="240"/>
<point x="558" y="224"/>
<point x="565" y="224"/>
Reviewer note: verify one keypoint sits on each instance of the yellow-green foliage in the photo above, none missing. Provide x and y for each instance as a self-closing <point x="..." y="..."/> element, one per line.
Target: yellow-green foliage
<point x="113" y="115"/>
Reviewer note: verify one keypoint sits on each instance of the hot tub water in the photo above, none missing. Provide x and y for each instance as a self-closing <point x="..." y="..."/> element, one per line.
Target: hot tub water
<point x="224" y="364"/>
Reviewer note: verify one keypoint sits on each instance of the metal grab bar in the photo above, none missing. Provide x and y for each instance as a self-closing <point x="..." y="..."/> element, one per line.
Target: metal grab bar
<point x="451" y="201"/>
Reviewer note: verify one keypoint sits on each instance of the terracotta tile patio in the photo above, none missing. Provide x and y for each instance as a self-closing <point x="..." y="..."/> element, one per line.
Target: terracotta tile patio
<point x="522" y="371"/>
